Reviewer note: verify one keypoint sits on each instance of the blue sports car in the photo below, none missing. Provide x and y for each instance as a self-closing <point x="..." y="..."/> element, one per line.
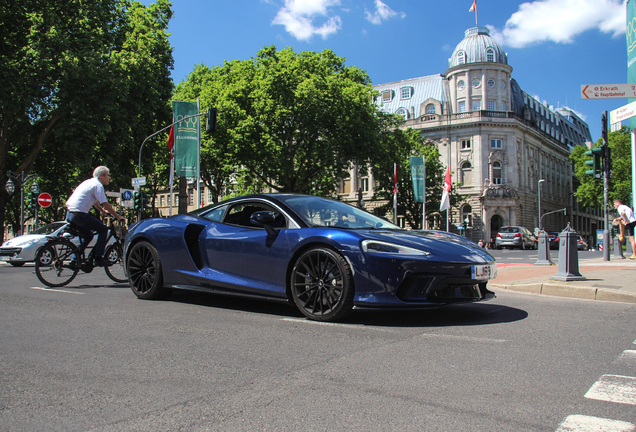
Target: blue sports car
<point x="325" y="256"/>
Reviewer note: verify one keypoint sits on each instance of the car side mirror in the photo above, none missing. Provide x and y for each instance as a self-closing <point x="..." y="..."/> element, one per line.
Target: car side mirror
<point x="264" y="219"/>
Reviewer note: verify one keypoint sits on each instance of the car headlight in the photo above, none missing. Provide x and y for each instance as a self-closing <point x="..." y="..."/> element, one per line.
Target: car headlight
<point x="375" y="246"/>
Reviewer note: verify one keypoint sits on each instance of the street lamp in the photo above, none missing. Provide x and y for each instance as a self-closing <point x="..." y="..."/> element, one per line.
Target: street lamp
<point x="539" y="199"/>
<point x="21" y="179"/>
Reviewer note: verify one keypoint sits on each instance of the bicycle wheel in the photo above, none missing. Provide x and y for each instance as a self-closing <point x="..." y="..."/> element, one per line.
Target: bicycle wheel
<point x="116" y="271"/>
<point x="52" y="263"/>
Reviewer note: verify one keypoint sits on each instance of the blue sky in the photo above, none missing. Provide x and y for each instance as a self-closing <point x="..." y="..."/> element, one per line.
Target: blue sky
<point x="554" y="46"/>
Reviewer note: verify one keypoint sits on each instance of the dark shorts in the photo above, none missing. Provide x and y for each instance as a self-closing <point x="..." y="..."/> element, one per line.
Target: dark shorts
<point x="629" y="229"/>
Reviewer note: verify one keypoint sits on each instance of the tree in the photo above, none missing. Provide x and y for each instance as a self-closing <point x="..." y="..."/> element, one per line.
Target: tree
<point x="82" y="84"/>
<point x="399" y="146"/>
<point x="589" y="192"/>
<point x="295" y="122"/>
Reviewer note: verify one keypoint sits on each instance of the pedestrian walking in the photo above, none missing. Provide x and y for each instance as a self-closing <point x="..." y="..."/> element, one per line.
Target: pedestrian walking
<point x="627" y="221"/>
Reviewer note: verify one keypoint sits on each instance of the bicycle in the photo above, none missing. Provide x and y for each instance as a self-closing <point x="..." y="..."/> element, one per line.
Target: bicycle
<point x="53" y="261"/>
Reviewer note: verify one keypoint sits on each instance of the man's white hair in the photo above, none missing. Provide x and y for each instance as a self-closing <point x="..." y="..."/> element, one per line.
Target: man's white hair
<point x="100" y="170"/>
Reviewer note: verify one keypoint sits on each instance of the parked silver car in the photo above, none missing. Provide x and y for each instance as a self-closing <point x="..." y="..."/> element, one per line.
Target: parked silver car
<point x="515" y="237"/>
<point x="24" y="248"/>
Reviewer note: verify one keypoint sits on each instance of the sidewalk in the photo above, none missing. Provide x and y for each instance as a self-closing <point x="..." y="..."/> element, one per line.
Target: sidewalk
<point x="613" y="280"/>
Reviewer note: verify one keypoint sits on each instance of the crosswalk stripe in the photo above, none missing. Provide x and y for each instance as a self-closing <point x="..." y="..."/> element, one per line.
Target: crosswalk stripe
<point x="581" y="423"/>
<point x="627" y="356"/>
<point x="614" y="388"/>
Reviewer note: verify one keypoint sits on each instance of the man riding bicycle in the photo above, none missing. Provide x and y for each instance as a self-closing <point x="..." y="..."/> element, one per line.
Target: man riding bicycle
<point x="90" y="193"/>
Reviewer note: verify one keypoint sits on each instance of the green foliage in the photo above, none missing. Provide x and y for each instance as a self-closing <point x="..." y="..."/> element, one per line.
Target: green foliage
<point x="293" y="121"/>
<point x="589" y="192"/>
<point x="82" y="85"/>
<point x="399" y="146"/>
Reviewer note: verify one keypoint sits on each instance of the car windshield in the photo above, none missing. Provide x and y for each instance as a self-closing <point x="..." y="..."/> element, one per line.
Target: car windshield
<point x="48" y="229"/>
<point x="317" y="211"/>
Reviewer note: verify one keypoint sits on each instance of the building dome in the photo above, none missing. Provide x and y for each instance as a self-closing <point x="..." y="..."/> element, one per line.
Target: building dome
<point x="476" y="47"/>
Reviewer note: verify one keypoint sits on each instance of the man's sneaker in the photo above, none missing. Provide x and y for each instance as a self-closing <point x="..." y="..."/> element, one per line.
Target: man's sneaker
<point x="632" y="257"/>
<point x="101" y="262"/>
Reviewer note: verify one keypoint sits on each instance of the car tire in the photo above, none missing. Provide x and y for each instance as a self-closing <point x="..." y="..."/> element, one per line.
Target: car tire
<point x="321" y="285"/>
<point x="144" y="271"/>
<point x="16" y="264"/>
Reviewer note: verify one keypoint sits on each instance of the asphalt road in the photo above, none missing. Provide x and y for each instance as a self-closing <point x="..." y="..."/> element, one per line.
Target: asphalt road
<point x="91" y="356"/>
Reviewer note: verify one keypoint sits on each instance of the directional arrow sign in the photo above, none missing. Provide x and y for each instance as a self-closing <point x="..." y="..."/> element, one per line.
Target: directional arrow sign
<point x="608" y="91"/>
<point x="623" y="113"/>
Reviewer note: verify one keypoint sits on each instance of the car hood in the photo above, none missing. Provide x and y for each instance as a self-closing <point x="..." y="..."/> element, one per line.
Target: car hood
<point x="442" y="245"/>
<point x="27" y="238"/>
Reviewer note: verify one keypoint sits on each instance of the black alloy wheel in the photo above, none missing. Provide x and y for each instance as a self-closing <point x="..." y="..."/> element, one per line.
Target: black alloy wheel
<point x="322" y="285"/>
<point x="144" y="271"/>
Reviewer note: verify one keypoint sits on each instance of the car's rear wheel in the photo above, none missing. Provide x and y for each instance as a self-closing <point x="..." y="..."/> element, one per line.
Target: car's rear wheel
<point x="144" y="271"/>
<point x="322" y="285"/>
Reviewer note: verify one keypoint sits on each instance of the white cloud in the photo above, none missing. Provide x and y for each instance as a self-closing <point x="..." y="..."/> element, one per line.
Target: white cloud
<point x="560" y="21"/>
<point x="299" y="16"/>
<point x="382" y="13"/>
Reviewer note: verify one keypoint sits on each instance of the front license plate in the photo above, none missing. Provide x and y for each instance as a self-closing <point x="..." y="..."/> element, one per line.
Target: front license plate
<point x="483" y="272"/>
<point x="5" y="258"/>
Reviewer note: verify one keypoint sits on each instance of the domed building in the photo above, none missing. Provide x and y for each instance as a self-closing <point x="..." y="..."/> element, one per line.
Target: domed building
<point x="498" y="140"/>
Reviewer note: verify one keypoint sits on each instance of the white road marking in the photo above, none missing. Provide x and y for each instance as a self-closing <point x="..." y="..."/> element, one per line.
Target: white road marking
<point x="56" y="290"/>
<point x="627" y="356"/>
<point x="330" y="324"/>
<point x="581" y="423"/>
<point x="463" y="338"/>
<point x="614" y="388"/>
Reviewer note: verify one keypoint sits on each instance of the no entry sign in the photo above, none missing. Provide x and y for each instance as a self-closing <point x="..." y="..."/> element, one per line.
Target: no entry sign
<point x="44" y="199"/>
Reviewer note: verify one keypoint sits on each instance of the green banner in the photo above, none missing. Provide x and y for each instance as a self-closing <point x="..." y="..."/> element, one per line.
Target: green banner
<point x="418" y="175"/>
<point x="630" y="34"/>
<point x="186" y="138"/>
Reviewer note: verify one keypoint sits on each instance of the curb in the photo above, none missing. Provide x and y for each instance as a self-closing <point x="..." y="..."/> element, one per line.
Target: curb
<point x="570" y="291"/>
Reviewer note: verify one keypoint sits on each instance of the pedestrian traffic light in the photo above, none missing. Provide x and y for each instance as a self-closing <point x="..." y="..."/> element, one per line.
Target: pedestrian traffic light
<point x="210" y="123"/>
<point x="596" y="162"/>
<point x="137" y="200"/>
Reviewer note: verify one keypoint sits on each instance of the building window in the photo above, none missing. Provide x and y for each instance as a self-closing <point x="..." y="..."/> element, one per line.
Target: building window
<point x="462" y="107"/>
<point x="496" y="143"/>
<point x="496" y="173"/>
<point x="476" y="82"/>
<point x="461" y="84"/>
<point x="191" y="197"/>
<point x="491" y="83"/>
<point x="490" y="55"/>
<point x="406" y="92"/>
<point x="476" y="105"/>
<point x="430" y="109"/>
<point x="162" y="201"/>
<point x="467" y="174"/>
<point x="364" y="184"/>
<point x="503" y="106"/>
<point x="461" y="57"/>
<point x="403" y="112"/>
<point x="387" y="95"/>
<point x="491" y="105"/>
<point x="202" y="198"/>
<point x="465" y="144"/>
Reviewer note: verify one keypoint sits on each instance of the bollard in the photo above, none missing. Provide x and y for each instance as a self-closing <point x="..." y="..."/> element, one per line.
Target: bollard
<point x="543" y="247"/>
<point x="568" y="257"/>
<point x="618" y="248"/>
<point x="628" y="247"/>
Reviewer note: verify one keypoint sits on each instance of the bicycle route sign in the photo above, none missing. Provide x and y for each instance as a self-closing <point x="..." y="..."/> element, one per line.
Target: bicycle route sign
<point x="44" y="199"/>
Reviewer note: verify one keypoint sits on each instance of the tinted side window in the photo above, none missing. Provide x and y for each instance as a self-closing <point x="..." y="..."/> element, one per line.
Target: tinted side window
<point x="240" y="214"/>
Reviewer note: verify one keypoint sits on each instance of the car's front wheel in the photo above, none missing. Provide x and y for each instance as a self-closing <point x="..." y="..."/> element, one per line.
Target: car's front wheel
<point x="144" y="271"/>
<point x="322" y="285"/>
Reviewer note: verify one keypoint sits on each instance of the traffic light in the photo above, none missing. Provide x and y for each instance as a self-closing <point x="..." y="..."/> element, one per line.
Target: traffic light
<point x="137" y="200"/>
<point x="145" y="200"/>
<point x="210" y="123"/>
<point x="596" y="163"/>
<point x="33" y="201"/>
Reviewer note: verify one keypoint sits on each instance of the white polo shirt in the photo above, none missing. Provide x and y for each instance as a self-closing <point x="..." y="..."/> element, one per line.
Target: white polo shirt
<point x="85" y="195"/>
